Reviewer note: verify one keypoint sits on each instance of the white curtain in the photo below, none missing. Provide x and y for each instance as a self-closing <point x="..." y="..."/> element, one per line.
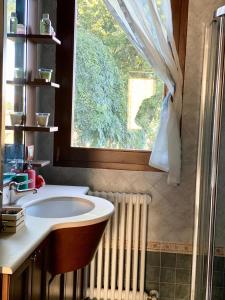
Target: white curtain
<point x="149" y="26"/>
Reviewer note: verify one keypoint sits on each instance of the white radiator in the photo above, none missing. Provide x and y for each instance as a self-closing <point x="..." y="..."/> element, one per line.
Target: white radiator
<point x="117" y="271"/>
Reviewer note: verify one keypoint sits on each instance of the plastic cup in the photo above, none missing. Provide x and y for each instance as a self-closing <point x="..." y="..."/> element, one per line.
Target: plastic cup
<point x="19" y="73"/>
<point x="16" y="118"/>
<point x="42" y="119"/>
<point x="45" y="74"/>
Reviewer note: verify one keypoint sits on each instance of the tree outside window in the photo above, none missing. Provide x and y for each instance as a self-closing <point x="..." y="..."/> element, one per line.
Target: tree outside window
<point x="117" y="98"/>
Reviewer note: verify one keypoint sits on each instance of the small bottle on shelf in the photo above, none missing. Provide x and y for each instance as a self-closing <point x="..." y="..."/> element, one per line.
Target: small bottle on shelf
<point x="13" y="23"/>
<point x="31" y="175"/>
<point x="45" y="25"/>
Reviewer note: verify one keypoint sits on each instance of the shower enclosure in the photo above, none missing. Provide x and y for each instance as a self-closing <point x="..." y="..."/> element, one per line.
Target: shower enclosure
<point x="208" y="273"/>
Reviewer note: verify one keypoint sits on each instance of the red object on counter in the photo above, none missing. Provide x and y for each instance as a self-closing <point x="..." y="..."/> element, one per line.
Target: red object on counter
<point x="31" y="176"/>
<point x="39" y="181"/>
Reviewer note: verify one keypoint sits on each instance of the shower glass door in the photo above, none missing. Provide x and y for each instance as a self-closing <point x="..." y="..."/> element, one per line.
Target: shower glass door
<point x="209" y="180"/>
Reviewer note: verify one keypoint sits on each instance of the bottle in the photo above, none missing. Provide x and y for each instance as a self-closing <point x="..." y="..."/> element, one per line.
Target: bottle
<point x="31" y="176"/>
<point x="13" y="23"/>
<point x="45" y="25"/>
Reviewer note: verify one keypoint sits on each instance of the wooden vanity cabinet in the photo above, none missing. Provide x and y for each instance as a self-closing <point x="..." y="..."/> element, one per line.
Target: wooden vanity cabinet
<point x="20" y="282"/>
<point x="38" y="272"/>
<point x="32" y="281"/>
<point x="50" y="273"/>
<point x="29" y="280"/>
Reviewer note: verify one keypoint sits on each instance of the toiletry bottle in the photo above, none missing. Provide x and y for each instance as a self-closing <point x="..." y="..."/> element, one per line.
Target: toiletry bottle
<point x="45" y="25"/>
<point x="31" y="176"/>
<point x="13" y="23"/>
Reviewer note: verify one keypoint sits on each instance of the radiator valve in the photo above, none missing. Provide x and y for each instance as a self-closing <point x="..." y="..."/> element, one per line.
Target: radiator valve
<point x="153" y="295"/>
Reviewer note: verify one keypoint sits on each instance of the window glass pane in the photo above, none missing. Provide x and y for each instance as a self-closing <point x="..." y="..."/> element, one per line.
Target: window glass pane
<point x="14" y="91"/>
<point x="117" y="96"/>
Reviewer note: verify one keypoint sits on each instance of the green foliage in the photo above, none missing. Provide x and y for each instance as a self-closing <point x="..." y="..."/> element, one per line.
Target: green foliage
<point x="105" y="60"/>
<point x="94" y="16"/>
<point x="100" y="108"/>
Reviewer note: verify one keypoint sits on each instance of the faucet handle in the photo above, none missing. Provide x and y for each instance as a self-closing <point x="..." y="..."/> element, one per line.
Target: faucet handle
<point x="16" y="185"/>
<point x="15" y="193"/>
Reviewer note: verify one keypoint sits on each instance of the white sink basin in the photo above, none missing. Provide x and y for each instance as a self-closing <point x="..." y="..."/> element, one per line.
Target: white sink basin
<point x="59" y="207"/>
<point x="75" y="220"/>
<point x="65" y="206"/>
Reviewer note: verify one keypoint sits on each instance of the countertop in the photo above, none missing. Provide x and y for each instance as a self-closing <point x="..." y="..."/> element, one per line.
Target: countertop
<point x="16" y="248"/>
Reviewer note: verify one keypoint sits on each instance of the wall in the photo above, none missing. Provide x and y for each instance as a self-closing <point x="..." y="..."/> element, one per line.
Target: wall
<point x="170" y="274"/>
<point x="172" y="209"/>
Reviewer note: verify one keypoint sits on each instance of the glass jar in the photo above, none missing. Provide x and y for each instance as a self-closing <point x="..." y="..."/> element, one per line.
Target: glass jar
<point x="45" y="25"/>
<point x="13" y="23"/>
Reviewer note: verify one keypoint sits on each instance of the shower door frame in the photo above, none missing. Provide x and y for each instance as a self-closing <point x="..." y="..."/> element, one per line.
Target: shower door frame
<point x="2" y="101"/>
<point x="217" y="98"/>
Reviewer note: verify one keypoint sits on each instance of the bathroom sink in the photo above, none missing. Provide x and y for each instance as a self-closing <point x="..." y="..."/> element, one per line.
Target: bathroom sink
<point x="59" y="207"/>
<point x="77" y="222"/>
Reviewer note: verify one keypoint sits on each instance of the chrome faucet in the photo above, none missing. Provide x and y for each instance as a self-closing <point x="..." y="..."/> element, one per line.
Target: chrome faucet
<point x="15" y="194"/>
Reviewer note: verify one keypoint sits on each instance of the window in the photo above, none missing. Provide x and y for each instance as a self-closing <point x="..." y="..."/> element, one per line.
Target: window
<point x="117" y="96"/>
<point x="15" y="59"/>
<point x="112" y="98"/>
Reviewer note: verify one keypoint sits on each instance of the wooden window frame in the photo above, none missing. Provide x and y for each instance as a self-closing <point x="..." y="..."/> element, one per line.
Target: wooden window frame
<point x="64" y="154"/>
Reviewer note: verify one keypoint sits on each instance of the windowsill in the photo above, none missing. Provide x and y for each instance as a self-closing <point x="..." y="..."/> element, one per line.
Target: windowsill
<point x="132" y="160"/>
<point x="105" y="165"/>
